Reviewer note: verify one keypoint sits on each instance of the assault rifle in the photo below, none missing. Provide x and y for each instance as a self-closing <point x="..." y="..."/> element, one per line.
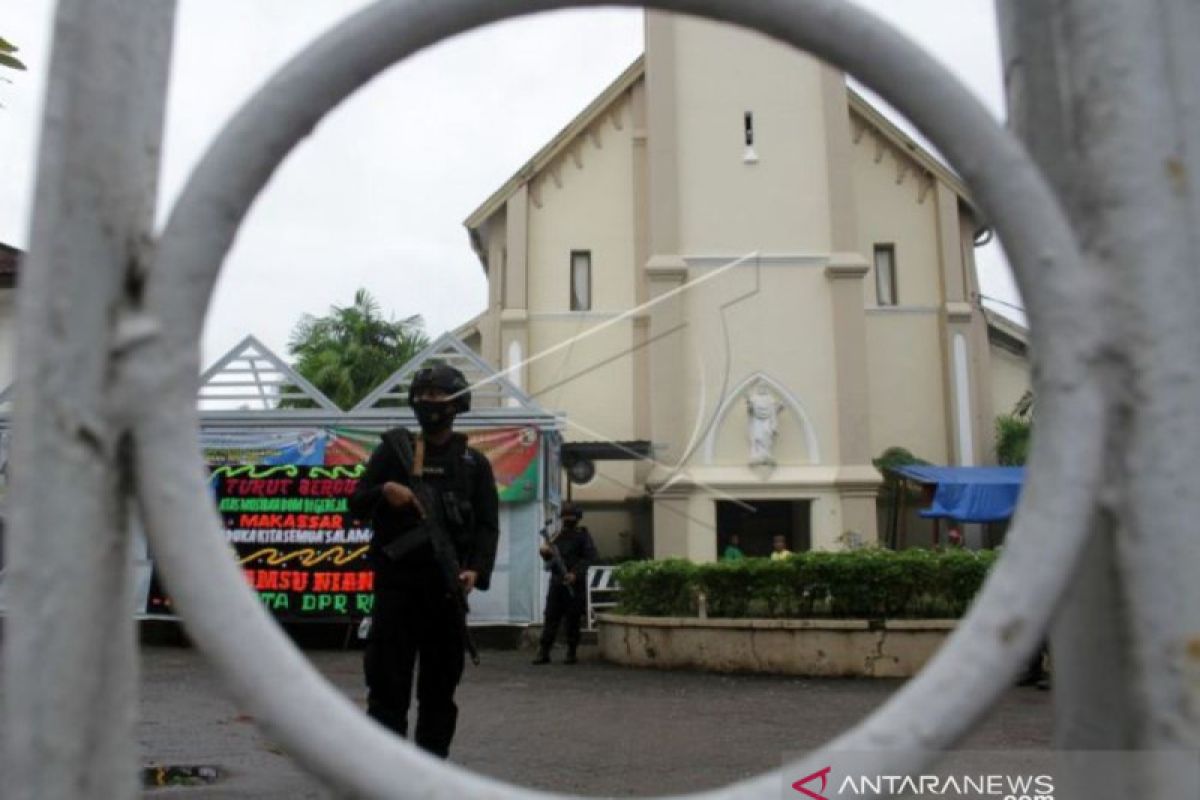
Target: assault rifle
<point x="558" y="567"/>
<point x="433" y="529"/>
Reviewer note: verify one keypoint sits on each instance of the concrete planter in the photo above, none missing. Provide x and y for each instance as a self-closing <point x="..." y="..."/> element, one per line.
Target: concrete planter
<point x="824" y="648"/>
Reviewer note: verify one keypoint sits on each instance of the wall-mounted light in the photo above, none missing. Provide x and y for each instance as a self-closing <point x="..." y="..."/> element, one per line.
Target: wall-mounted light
<point x="581" y="470"/>
<point x="749" y="156"/>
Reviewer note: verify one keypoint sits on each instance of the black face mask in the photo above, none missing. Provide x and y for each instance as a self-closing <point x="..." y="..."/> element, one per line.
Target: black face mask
<point x="434" y="416"/>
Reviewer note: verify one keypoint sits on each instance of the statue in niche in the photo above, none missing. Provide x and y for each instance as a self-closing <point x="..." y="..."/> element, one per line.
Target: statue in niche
<point x="763" y="408"/>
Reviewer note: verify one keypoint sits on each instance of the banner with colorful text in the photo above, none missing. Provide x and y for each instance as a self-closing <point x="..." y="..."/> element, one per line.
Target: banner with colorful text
<point x="283" y="498"/>
<point x="514" y="452"/>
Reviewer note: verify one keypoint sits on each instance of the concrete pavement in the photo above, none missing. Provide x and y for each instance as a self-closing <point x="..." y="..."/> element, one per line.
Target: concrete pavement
<point x="592" y="729"/>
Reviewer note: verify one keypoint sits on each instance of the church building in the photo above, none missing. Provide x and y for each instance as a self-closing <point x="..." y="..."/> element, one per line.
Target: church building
<point x="740" y="283"/>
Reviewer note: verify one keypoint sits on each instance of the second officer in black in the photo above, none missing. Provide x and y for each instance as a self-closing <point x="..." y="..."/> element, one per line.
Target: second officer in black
<point x="417" y="615"/>
<point x="566" y="599"/>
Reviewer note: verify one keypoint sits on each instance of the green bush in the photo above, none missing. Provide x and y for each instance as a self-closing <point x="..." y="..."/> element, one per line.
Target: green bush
<point x="751" y="587"/>
<point x="727" y="586"/>
<point x="870" y="583"/>
<point x="1013" y="436"/>
<point x="960" y="574"/>
<point x="657" y="588"/>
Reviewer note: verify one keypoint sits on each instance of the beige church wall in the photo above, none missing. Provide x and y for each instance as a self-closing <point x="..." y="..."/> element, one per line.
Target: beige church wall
<point x="591" y="210"/>
<point x="592" y="380"/>
<point x="905" y="375"/>
<point x="671" y="520"/>
<point x="782" y="327"/>
<point x="890" y="213"/>
<point x="827" y="522"/>
<point x="592" y="377"/>
<point x="701" y="525"/>
<point x="496" y="243"/>
<point x="498" y="273"/>
<point x="1010" y="379"/>
<point x="966" y="242"/>
<point x="780" y="204"/>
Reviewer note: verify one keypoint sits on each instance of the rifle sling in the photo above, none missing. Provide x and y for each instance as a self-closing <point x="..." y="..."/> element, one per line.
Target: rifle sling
<point x="418" y="460"/>
<point x="431" y="530"/>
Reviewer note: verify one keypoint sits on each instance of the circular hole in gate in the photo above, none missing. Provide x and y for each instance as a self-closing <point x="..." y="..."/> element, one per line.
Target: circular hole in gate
<point x="765" y="463"/>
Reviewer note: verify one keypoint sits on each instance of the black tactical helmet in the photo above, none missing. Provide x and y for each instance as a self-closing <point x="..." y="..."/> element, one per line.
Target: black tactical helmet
<point x="571" y="510"/>
<point x="445" y="378"/>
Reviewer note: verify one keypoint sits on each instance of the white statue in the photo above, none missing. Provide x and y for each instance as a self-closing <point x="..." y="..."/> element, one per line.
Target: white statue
<point x="763" y="407"/>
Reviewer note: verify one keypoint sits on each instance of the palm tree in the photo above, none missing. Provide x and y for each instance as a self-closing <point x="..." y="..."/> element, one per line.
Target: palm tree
<point x="352" y="349"/>
<point x="7" y="59"/>
<point x="1014" y="431"/>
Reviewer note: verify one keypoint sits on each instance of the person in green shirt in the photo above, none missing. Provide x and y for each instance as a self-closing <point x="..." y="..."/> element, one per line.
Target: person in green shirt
<point x="732" y="551"/>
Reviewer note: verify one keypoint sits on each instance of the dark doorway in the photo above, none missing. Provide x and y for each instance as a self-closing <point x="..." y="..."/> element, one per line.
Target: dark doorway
<point x="756" y="522"/>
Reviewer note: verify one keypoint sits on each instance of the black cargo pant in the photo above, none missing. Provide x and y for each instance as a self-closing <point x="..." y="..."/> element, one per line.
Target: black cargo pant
<point x="561" y="608"/>
<point x="415" y="627"/>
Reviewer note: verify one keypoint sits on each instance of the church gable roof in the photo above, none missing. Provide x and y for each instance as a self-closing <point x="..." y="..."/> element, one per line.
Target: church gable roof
<point x="861" y="110"/>
<point x="865" y="116"/>
<point x="556" y="147"/>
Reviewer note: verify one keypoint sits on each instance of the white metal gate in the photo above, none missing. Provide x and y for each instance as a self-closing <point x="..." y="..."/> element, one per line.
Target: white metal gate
<point x="1105" y="91"/>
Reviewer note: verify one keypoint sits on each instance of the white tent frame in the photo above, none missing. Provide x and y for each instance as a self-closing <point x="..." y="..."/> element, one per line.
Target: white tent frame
<point x="251" y="365"/>
<point x="501" y="406"/>
<point x="270" y="375"/>
<point x="493" y="395"/>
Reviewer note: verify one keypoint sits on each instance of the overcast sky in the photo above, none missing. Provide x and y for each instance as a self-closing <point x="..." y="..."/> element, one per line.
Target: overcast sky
<point x="377" y="195"/>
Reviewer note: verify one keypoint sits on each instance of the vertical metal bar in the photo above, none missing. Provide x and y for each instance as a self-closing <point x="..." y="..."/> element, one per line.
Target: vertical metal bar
<point x="1106" y="96"/>
<point x="262" y="390"/>
<point x="70" y="649"/>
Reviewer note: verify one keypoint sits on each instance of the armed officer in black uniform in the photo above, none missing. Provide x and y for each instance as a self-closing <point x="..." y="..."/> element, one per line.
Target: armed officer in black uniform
<point x="566" y="599"/>
<point x="416" y="614"/>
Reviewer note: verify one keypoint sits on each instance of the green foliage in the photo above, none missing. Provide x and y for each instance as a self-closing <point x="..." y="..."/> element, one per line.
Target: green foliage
<point x="658" y="588"/>
<point x="1014" y="431"/>
<point x="888" y="460"/>
<point x="351" y="350"/>
<point x="1024" y="406"/>
<point x="1013" y="435"/>
<point x="751" y="587"/>
<point x="868" y="583"/>
<point x="959" y="576"/>
<point x="7" y="59"/>
<point x="896" y="457"/>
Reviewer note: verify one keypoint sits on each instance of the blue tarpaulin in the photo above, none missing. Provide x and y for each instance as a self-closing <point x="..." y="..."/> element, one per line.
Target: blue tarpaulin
<point x="969" y="494"/>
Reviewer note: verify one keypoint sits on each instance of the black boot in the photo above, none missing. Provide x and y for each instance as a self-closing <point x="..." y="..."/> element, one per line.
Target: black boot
<point x="543" y="655"/>
<point x="570" y="659"/>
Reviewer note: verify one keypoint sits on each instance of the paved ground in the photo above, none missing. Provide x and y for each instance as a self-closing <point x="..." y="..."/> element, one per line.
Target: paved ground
<point x="592" y="729"/>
